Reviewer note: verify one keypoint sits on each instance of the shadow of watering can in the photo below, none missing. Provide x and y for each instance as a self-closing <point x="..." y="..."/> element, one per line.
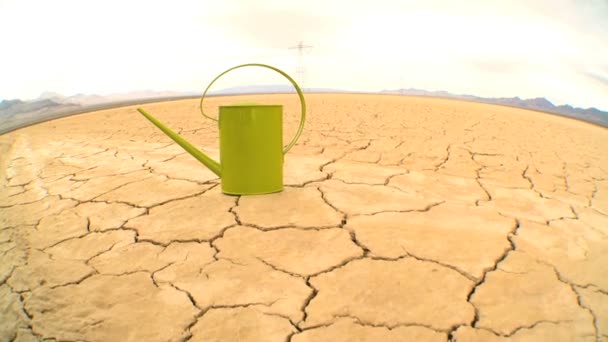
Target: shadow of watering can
<point x="251" y="143"/>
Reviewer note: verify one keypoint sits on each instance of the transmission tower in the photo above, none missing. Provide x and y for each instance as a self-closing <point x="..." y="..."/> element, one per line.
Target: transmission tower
<point x="300" y="69"/>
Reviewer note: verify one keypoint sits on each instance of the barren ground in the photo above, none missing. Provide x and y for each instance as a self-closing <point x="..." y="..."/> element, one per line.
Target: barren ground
<point x="403" y="218"/>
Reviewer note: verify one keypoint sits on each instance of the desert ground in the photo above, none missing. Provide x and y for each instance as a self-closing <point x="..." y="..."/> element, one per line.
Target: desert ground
<point x="402" y="219"/>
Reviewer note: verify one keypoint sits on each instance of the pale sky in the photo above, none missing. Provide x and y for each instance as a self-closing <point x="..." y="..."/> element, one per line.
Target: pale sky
<point x="528" y="48"/>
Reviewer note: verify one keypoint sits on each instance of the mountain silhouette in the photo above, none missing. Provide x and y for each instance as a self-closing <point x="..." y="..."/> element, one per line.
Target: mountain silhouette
<point x="541" y="104"/>
<point x="49" y="105"/>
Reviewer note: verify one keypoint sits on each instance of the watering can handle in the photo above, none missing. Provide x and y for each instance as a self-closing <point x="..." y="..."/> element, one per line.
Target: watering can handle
<point x="300" y="94"/>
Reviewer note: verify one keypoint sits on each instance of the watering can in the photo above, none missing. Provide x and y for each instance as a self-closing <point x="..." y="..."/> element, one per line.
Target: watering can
<point x="251" y="142"/>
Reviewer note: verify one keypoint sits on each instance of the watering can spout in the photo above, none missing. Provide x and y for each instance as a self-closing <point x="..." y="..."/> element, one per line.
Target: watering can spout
<point x="200" y="156"/>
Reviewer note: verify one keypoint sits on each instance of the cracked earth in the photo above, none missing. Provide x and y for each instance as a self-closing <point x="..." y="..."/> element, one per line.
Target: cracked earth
<point x="403" y="218"/>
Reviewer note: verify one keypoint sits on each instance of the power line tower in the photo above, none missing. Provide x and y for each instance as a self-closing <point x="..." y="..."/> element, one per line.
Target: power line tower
<point x="300" y="69"/>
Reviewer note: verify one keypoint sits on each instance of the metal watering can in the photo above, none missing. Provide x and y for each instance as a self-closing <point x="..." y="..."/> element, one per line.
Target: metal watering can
<point x="251" y="142"/>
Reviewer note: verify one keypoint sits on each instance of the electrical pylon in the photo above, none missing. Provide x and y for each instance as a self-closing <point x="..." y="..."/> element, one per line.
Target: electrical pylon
<point x="300" y="69"/>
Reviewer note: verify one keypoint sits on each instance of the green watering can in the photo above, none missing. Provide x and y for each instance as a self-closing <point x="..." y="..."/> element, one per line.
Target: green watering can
<point x="251" y="143"/>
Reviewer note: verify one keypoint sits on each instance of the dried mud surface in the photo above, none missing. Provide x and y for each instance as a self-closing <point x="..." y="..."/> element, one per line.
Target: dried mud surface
<point x="403" y="218"/>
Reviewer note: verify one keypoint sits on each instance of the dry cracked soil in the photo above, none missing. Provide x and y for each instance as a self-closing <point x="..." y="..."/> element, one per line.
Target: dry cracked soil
<point x="402" y="219"/>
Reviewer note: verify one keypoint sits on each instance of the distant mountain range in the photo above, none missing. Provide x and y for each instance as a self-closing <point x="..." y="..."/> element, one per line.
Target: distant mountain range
<point x="592" y="115"/>
<point x="17" y="113"/>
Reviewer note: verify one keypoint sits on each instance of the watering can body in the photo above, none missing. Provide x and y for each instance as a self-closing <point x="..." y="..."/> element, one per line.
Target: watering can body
<point x="251" y="143"/>
<point x="251" y="149"/>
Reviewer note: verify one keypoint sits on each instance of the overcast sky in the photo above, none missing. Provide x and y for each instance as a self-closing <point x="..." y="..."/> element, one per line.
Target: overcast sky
<point x="528" y="48"/>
